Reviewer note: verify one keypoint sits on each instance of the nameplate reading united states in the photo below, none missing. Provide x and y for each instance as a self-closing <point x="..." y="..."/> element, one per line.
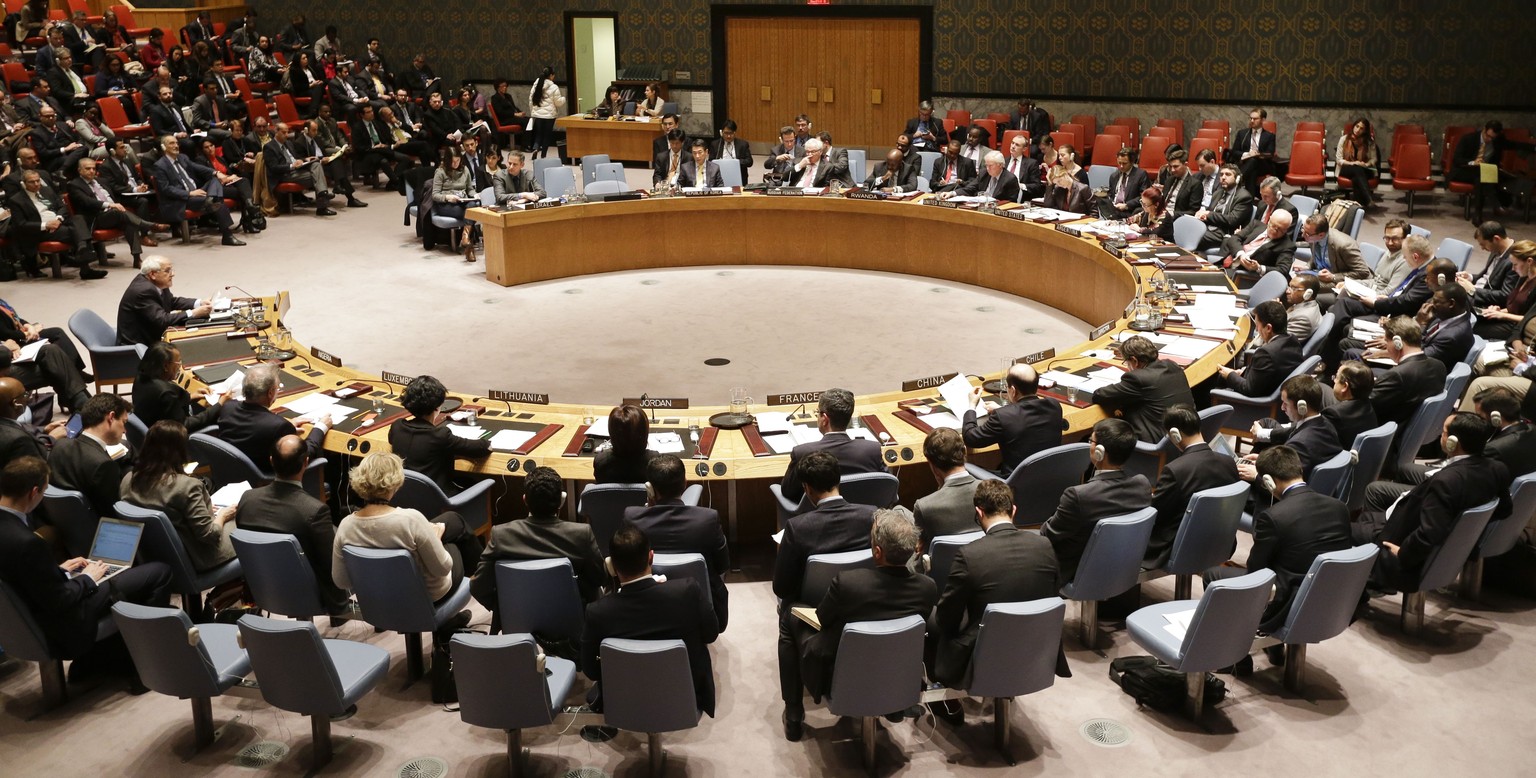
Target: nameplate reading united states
<point x="532" y="398"/>
<point x="396" y="378"/>
<point x="1017" y="214"/>
<point x="926" y="383"/>
<point x="326" y="357"/>
<point x="794" y="398"/>
<point x="664" y="403"/>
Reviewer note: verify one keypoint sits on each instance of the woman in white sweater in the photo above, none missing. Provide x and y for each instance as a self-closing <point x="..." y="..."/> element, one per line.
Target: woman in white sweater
<point x="544" y="104"/>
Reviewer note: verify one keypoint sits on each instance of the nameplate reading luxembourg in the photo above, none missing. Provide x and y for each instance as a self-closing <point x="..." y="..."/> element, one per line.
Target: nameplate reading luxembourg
<point x="926" y="383"/>
<point x="532" y="398"/>
<point x="663" y="403"/>
<point x="325" y="356"/>
<point x="794" y="398"/>
<point x="396" y="378"/>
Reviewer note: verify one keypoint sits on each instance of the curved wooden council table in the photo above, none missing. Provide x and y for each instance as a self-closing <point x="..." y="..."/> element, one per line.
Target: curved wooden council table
<point x="1029" y="260"/>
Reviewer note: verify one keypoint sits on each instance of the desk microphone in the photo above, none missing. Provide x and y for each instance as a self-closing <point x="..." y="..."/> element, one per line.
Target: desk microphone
<point x="242" y="291"/>
<point x="388" y="387"/>
<point x="643" y="397"/>
<point x="504" y="402"/>
<point x="797" y="411"/>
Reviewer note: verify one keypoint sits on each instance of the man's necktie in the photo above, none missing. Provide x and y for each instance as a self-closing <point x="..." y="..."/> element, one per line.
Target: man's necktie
<point x="1253" y="140"/>
<point x="186" y="180"/>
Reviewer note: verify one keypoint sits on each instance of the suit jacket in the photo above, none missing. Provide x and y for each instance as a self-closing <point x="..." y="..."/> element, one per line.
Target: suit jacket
<point x="689" y="174"/>
<point x="430" y="449"/>
<point x="742" y="149"/>
<point x="1448" y="340"/>
<point x="1349" y="419"/>
<point x="827" y="171"/>
<point x="1398" y="392"/>
<point x="172" y="191"/>
<point x="1035" y="121"/>
<point x="1077" y="198"/>
<point x="853" y="456"/>
<point x="147" y="310"/>
<point x="647" y="610"/>
<point x="1343" y="255"/>
<point x="18" y="441"/>
<point x="662" y="163"/>
<point x="773" y="165"/>
<point x="1197" y="469"/>
<point x="505" y="184"/>
<point x="186" y="502"/>
<point x="438" y="125"/>
<point x="66" y="609"/>
<point x="1515" y="446"/>
<point x="1142" y="396"/>
<point x="834" y="526"/>
<point x="675" y="528"/>
<point x="1108" y="493"/>
<point x="1187" y="200"/>
<point x="115" y="178"/>
<point x="1414" y="293"/>
<point x="165" y="119"/>
<point x="1230" y="209"/>
<point x="948" y="510"/>
<point x="1260" y="212"/>
<point x="27" y="221"/>
<point x="1303" y="319"/>
<point x="1315" y="442"/>
<point x="1007" y="189"/>
<point x="80" y="464"/>
<point x="1135" y="181"/>
<point x="83" y="198"/>
<point x="1494" y="285"/>
<point x="255" y="429"/>
<point x="1029" y="174"/>
<point x="1288" y="537"/>
<point x="285" y="508"/>
<point x="862" y="595"/>
<point x="278" y="165"/>
<point x="1008" y="564"/>
<point x="156" y="398"/>
<point x="935" y="125"/>
<point x="50" y="144"/>
<point x="965" y="170"/>
<point x="904" y="177"/>
<point x="540" y="538"/>
<point x="1271" y="363"/>
<point x="1424" y="518"/>
<point x="1020" y="429"/>
<point x="203" y="109"/>
<point x="1243" y="141"/>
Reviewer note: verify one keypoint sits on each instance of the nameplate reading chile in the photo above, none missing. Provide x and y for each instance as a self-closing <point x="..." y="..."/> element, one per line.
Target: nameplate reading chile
<point x="926" y="383"/>
<point x="532" y="398"/>
<point x="663" y="403"/>
<point x="396" y="378"/>
<point x="794" y="398"/>
<point x="325" y="356"/>
<point x="1038" y="356"/>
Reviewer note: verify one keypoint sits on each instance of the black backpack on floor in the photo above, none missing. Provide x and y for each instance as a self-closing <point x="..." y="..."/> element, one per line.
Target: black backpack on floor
<point x="1158" y="686"/>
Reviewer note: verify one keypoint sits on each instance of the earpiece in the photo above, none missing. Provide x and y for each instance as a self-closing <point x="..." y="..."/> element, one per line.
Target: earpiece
<point x="1174" y="436"/>
<point x="650" y="492"/>
<point x="1496" y="419"/>
<point x="1451" y="444"/>
<point x="608" y="566"/>
<point x="1397" y="342"/>
<point x="1307" y="296"/>
<point x="1301" y="408"/>
<point x="1096" y="454"/>
<point x="1443" y="278"/>
<point x="1269" y="483"/>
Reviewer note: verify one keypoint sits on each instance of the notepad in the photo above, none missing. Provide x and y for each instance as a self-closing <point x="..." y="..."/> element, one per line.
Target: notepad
<point x="942" y="419"/>
<point x="772" y="421"/>
<point x="510" y="440"/>
<point x="467" y="432"/>
<point x="229" y="494"/>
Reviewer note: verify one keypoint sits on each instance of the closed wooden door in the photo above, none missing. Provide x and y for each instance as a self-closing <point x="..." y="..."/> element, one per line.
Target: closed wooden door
<point x="856" y="78"/>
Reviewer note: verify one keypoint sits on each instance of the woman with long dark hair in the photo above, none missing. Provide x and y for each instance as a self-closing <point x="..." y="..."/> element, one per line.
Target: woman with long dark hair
<point x="624" y="461"/>
<point x="1357" y="160"/>
<point x="453" y="185"/>
<point x="544" y="103"/>
<point x="304" y="81"/>
<point x="652" y="105"/>
<point x="112" y="81"/>
<point x="157" y="396"/>
<point x="159" y="482"/>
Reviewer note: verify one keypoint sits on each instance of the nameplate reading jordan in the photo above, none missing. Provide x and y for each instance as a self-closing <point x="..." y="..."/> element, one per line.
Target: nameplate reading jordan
<point x="396" y="378"/>
<point x="794" y="398"/>
<point x="1038" y="356"/>
<point x="543" y="204"/>
<point x="926" y="383"/>
<point x="532" y="398"/>
<point x="663" y="403"/>
<point x="1101" y="330"/>
<point x="866" y="196"/>
<point x="325" y="356"/>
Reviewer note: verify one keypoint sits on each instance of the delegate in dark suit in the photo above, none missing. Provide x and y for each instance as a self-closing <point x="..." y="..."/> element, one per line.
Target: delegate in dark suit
<point x="862" y="595"/>
<point x="17" y="441"/>
<point x="1007" y="565"/>
<point x="1273" y="254"/>
<point x="156" y="398"/>
<point x="1183" y="194"/>
<point x="1270" y="364"/>
<point x="1019" y="429"/>
<point x="647" y="610"/>
<point x="1349" y="419"/>
<point x="540" y="538"/>
<point x="904" y="177"/>
<point x="948" y="510"/>
<point x="1315" y="442"/>
<point x="675" y="528"/>
<point x="176" y="179"/>
<point x="1197" y="469"/>
<point x="254" y="429"/>
<point x="784" y="168"/>
<point x="1108" y="493"/>
<point x="1288" y="537"/>
<point x="86" y="197"/>
<point x="1006" y="188"/>
<point x="1124" y="188"/>
<point x="28" y="225"/>
<point x="835" y="525"/>
<point x="430" y="449"/>
<point x="1035" y="121"/>
<point x="1143" y="395"/>
<point x="285" y="508"/>
<point x="853" y="456"/>
<point x="1448" y="340"/>
<point x="1230" y="210"/>
<point x="146" y="311"/>
<point x="1030" y="176"/>
<point x="1253" y="168"/>
<point x="739" y="147"/>
<point x="1423" y="519"/>
<point x="933" y="125"/>
<point x="81" y="464"/>
<point x="1399" y="391"/>
<point x="661" y="166"/>
<point x="952" y="173"/>
<point x="689" y="175"/>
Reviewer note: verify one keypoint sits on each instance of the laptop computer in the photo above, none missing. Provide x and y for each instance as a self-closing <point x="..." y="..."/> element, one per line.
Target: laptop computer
<point x="115" y="545"/>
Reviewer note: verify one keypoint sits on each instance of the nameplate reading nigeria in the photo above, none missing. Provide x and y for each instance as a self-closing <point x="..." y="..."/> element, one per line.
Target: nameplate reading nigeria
<point x="396" y="378"/>
<point x="532" y="398"/>
<point x="663" y="403"/>
<point x="325" y="356"/>
<point x="926" y="383"/>
<point x="794" y="398"/>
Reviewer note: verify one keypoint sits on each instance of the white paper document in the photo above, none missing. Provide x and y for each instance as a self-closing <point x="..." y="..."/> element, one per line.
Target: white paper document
<point x="1354" y="287"/>
<point x="466" y="432"/>
<point x="1178" y="622"/>
<point x="1110" y="375"/>
<point x="772" y="421"/>
<point x="781" y="443"/>
<point x="957" y="395"/>
<point x="942" y="419"/>
<point x="599" y="427"/>
<point x="230" y="386"/>
<point x="510" y="440"/>
<point x="666" y="443"/>
<point x="310" y="404"/>
<point x="1189" y="348"/>
<point x="29" y="351"/>
<point x="229" y="494"/>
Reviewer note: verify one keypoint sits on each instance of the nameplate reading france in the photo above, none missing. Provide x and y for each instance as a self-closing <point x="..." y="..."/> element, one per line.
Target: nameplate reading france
<point x="661" y="403"/>
<point x="325" y="356"/>
<point x="396" y="378"/>
<point x="930" y="382"/>
<point x="532" y="398"/>
<point x="794" y="398"/>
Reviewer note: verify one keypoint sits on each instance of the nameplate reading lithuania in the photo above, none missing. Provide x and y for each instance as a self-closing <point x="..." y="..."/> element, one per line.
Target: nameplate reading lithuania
<point x="506" y="396"/>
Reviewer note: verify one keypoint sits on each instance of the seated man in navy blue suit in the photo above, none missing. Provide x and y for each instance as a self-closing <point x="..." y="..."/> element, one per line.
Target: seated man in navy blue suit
<point x="833" y="413"/>
<point x="675" y="528"/>
<point x="184" y="185"/>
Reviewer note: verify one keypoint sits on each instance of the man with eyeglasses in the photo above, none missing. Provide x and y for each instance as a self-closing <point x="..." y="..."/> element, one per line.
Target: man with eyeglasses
<point x="148" y="308"/>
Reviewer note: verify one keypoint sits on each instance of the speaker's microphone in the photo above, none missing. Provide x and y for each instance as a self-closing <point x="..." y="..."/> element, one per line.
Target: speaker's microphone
<point x="242" y="291"/>
<point x="388" y="387"/>
<point x="643" y="397"/>
<point x="503" y="402"/>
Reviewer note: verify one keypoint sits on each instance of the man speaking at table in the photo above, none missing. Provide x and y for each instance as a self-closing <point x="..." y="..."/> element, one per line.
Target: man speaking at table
<point x="148" y="307"/>
<point x="996" y="183"/>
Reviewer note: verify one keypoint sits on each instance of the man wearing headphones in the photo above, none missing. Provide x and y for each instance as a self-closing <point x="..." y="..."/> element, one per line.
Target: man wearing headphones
<point x="1335" y="255"/>
<point x="1302" y="314"/>
<point x="1148" y="389"/>
<point x="1196" y="469"/>
<point x="1422" y="520"/>
<point x="1511" y="444"/>
<point x="1350" y="413"/>
<point x="1414" y="379"/>
<point x="1405" y="299"/>
<point x="1276" y="356"/>
<point x="1447" y="323"/>
<point x="675" y="528"/>
<point x="1312" y="436"/>
<point x="1028" y="424"/>
<point x="1110" y="492"/>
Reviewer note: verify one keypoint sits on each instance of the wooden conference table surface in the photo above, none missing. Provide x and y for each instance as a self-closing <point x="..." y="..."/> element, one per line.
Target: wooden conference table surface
<point x="1073" y="274"/>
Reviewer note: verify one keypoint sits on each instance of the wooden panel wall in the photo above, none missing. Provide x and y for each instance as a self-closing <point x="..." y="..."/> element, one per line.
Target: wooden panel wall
<point x="842" y="60"/>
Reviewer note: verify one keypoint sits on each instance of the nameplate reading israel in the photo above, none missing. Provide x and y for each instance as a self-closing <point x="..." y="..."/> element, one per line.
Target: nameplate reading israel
<point x="325" y="356"/>
<point x="396" y="378"/>
<point x="794" y="398"/>
<point x="926" y="383"/>
<point x="661" y="403"/>
<point x="532" y="398"/>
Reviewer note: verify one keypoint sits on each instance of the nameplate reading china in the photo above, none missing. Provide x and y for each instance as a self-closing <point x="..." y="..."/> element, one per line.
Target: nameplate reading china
<point x="1101" y="330"/>
<point x="794" y="398"/>
<point x="532" y="398"/>
<point x="663" y="403"/>
<point x="325" y="356"/>
<point x="926" y="383"/>
<point x="396" y="378"/>
<point x="1038" y="356"/>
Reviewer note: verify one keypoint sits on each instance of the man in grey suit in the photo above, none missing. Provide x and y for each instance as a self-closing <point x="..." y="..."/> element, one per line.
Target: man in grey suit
<point x="514" y="183"/>
<point x="1110" y="492"/>
<point x="700" y="171"/>
<point x="284" y="507"/>
<point x="951" y="509"/>
<point x="1302" y="314"/>
<point x="1335" y="255"/>
<point x="83" y="463"/>
<point x="815" y="170"/>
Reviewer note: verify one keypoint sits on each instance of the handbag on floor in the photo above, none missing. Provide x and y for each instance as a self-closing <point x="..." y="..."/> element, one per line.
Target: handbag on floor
<point x="1158" y="686"/>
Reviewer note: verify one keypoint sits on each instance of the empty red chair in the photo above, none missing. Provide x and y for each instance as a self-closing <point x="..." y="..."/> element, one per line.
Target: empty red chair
<point x="1411" y="174"/>
<point x="1312" y="126"/>
<point x="1316" y="136"/>
<point x="17" y="79"/>
<point x="287" y="112"/>
<point x="1106" y="147"/>
<point x="949" y="127"/>
<point x="1164" y="132"/>
<point x="1177" y="125"/>
<point x="1306" y="165"/>
<point x="1000" y="118"/>
<point x="255" y="107"/>
<point x="1270" y="126"/>
<point x="117" y="120"/>
<point x="1129" y="121"/>
<point x="1154" y="153"/>
<point x="1079" y="134"/>
<point x="1088" y="122"/>
<point x="962" y="118"/>
<point x="1127" y="136"/>
<point x="1201" y="143"/>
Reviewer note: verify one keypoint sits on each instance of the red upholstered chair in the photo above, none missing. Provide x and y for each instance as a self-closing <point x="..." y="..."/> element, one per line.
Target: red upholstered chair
<point x="1063" y="138"/>
<point x="504" y="132"/>
<point x="1007" y="141"/>
<point x="961" y="118"/>
<point x="1412" y="171"/>
<point x="80" y="5"/>
<point x="1165" y="132"/>
<point x="18" y="80"/>
<point x="991" y="128"/>
<point x="116" y="120"/>
<point x="255" y="107"/>
<point x="1127" y="135"/>
<point x="1316" y="136"/>
<point x="949" y="128"/>
<point x="54" y="251"/>
<point x="1154" y="154"/>
<point x="1312" y="126"/>
<point x="1000" y="118"/>
<point x="99" y="238"/>
<point x="1088" y="122"/>
<point x="1201" y="143"/>
<point x="1306" y="165"/>
<point x="1271" y="126"/>
<point x="1177" y="125"/>
<point x="1080" y="137"/>
<point x="1400" y="140"/>
<point x="288" y="111"/>
<point x="125" y="20"/>
<point x="1129" y="121"/>
<point x="1106" y="147"/>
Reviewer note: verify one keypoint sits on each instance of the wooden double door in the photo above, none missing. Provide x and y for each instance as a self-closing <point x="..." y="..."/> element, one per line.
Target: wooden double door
<point x="856" y="78"/>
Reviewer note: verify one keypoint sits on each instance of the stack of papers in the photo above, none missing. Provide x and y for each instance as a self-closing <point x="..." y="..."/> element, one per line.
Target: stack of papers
<point x="957" y="395"/>
<point x="1178" y="623"/>
<point x="1356" y="288"/>
<point x="939" y="419"/>
<point x="510" y="440"/>
<point x="316" y="405"/>
<point x="666" y="443"/>
<point x="1189" y="348"/>
<point x="599" y="427"/>
<point x="230" y="386"/>
<point x="1070" y="381"/>
<point x="772" y="421"/>
<point x="467" y="432"/>
<point x="229" y="494"/>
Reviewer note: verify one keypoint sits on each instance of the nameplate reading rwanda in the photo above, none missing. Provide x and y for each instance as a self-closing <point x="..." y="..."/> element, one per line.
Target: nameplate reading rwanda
<point x="929" y="382"/>
<point x="532" y="398"/>
<point x="326" y="357"/>
<point x="663" y="403"/>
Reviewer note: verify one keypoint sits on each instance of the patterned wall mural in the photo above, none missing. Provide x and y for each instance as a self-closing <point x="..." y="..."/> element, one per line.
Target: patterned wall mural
<point x="1353" y="52"/>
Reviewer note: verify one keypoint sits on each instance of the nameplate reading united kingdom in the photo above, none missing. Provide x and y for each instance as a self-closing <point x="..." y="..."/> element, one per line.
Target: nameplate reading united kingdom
<point x="794" y="398"/>
<point x="326" y="357"/>
<point x="532" y="398"/>
<point x="396" y="378"/>
<point x="926" y="383"/>
<point x="663" y="403"/>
